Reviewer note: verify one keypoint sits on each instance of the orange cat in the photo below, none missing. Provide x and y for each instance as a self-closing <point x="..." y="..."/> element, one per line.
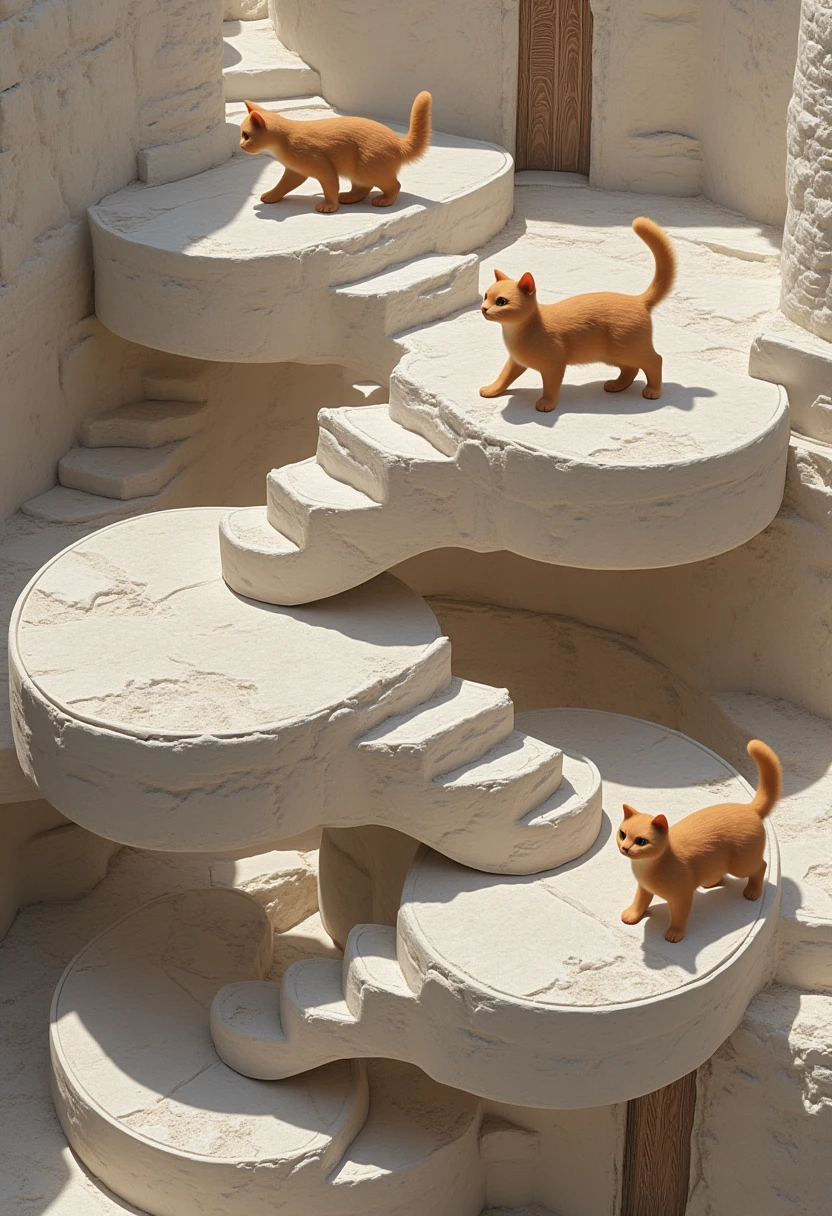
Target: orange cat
<point x="366" y="152"/>
<point x="701" y="849"/>
<point x="604" y="327"/>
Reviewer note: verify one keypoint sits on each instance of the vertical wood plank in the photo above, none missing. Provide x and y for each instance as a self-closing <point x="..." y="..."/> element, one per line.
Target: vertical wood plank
<point x="657" y="1150"/>
<point x="554" y="100"/>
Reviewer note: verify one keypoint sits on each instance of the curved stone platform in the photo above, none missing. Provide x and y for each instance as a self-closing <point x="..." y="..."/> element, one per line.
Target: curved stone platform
<point x="154" y="706"/>
<point x="604" y="482"/>
<point x="200" y="267"/>
<point x="532" y="990"/>
<point x="160" y="1120"/>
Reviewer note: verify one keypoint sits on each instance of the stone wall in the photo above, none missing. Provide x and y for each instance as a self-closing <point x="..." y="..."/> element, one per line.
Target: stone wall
<point x="690" y="97"/>
<point x="88" y="90"/>
<point x="374" y="57"/>
<point x="807" y="242"/>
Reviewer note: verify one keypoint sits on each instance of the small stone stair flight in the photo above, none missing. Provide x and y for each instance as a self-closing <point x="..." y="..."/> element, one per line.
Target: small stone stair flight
<point x="127" y="458"/>
<point x="256" y="65"/>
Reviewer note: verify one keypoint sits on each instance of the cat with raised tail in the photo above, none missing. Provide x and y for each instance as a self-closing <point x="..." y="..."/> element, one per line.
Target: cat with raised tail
<point x="701" y="849"/>
<point x="600" y="327"/>
<point x="366" y="152"/>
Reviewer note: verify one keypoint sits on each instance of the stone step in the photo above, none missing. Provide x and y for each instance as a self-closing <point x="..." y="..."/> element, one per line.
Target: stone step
<point x="61" y="505"/>
<point x="456" y="727"/>
<point x="367" y="449"/>
<point x="144" y="424"/>
<point x="412" y="293"/>
<point x="152" y="243"/>
<point x="257" y="66"/>
<point x="303" y="498"/>
<point x="531" y="990"/>
<point x="167" y="1127"/>
<point x="522" y="770"/>
<point x="121" y="472"/>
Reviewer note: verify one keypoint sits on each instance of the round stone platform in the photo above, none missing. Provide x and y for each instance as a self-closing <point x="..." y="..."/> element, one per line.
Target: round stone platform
<point x="160" y="1120"/>
<point x="532" y="990"/>
<point x="154" y="706"/>
<point x="200" y="267"/>
<point x="606" y="480"/>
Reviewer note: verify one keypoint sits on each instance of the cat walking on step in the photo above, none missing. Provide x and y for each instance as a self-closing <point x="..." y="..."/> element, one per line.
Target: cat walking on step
<point x="601" y="327"/>
<point x="366" y="152"/>
<point x="701" y="849"/>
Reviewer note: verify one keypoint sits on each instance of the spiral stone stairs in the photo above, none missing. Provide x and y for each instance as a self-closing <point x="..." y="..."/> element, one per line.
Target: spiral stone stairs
<point x="180" y="693"/>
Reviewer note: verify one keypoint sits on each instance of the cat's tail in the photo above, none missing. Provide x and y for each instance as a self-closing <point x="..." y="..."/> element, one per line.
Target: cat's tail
<point x="658" y="242"/>
<point x="417" y="140"/>
<point x="770" y="779"/>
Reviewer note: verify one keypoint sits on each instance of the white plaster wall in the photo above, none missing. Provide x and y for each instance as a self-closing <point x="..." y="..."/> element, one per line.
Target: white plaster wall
<point x="690" y="97"/>
<point x="85" y="87"/>
<point x="374" y="57"/>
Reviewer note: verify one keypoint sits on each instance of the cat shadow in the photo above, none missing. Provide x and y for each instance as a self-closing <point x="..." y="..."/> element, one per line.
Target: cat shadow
<point x="716" y="913"/>
<point x="591" y="399"/>
<point x="304" y="204"/>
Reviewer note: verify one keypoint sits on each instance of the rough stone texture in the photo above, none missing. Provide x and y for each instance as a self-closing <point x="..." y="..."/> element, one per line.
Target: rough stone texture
<point x="690" y="97"/>
<point x="764" y="1112"/>
<point x="462" y="969"/>
<point x="43" y="858"/>
<point x="807" y="242"/>
<point x="84" y="86"/>
<point x="162" y="252"/>
<point x="157" y="1117"/>
<point x="604" y="482"/>
<point x="252" y="413"/>
<point x="198" y="719"/>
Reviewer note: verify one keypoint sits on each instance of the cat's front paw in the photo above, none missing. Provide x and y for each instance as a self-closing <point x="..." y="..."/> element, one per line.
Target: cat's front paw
<point x="674" y="935"/>
<point x="652" y="394"/>
<point x="271" y="196"/>
<point x="490" y="390"/>
<point x="545" y="405"/>
<point x="326" y="208"/>
<point x="631" y="916"/>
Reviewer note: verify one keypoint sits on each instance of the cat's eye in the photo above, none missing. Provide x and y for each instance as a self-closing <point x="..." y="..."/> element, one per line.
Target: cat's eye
<point x="641" y="840"/>
<point x="501" y="300"/>
<point x="623" y="835"/>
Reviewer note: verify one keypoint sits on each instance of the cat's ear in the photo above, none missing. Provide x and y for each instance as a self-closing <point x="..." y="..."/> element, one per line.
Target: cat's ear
<point x="527" y="284"/>
<point x="499" y="276"/>
<point x="629" y="811"/>
<point x="660" y="822"/>
<point x="249" y="105"/>
<point x="257" y="118"/>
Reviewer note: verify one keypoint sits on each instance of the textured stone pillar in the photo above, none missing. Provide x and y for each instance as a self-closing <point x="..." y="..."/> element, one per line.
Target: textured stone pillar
<point x="807" y="244"/>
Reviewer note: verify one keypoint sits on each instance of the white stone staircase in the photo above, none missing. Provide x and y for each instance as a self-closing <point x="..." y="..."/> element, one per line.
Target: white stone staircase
<point x="128" y="458"/>
<point x="256" y="65"/>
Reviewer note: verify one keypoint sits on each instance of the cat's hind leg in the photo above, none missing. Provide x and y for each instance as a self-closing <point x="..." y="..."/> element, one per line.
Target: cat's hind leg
<point x="636" y="910"/>
<point x="289" y="181"/>
<point x="507" y="376"/>
<point x="754" y="886"/>
<point x="389" y="188"/>
<point x="652" y="367"/>
<point x="356" y="195"/>
<point x="625" y="378"/>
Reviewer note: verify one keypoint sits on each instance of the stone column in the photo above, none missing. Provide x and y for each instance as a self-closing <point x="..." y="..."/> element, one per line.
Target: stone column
<point x="794" y="347"/>
<point x="807" y="243"/>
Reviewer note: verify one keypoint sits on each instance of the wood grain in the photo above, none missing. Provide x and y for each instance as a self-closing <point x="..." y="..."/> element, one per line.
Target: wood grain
<point x="657" y="1150"/>
<point x="554" y="101"/>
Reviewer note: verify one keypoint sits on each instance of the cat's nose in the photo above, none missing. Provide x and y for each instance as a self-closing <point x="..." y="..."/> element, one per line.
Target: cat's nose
<point x="625" y="848"/>
<point x="484" y="310"/>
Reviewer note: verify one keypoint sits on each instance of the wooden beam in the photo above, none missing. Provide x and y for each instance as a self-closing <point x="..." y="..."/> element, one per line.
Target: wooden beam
<point x="554" y="99"/>
<point x="657" y="1150"/>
